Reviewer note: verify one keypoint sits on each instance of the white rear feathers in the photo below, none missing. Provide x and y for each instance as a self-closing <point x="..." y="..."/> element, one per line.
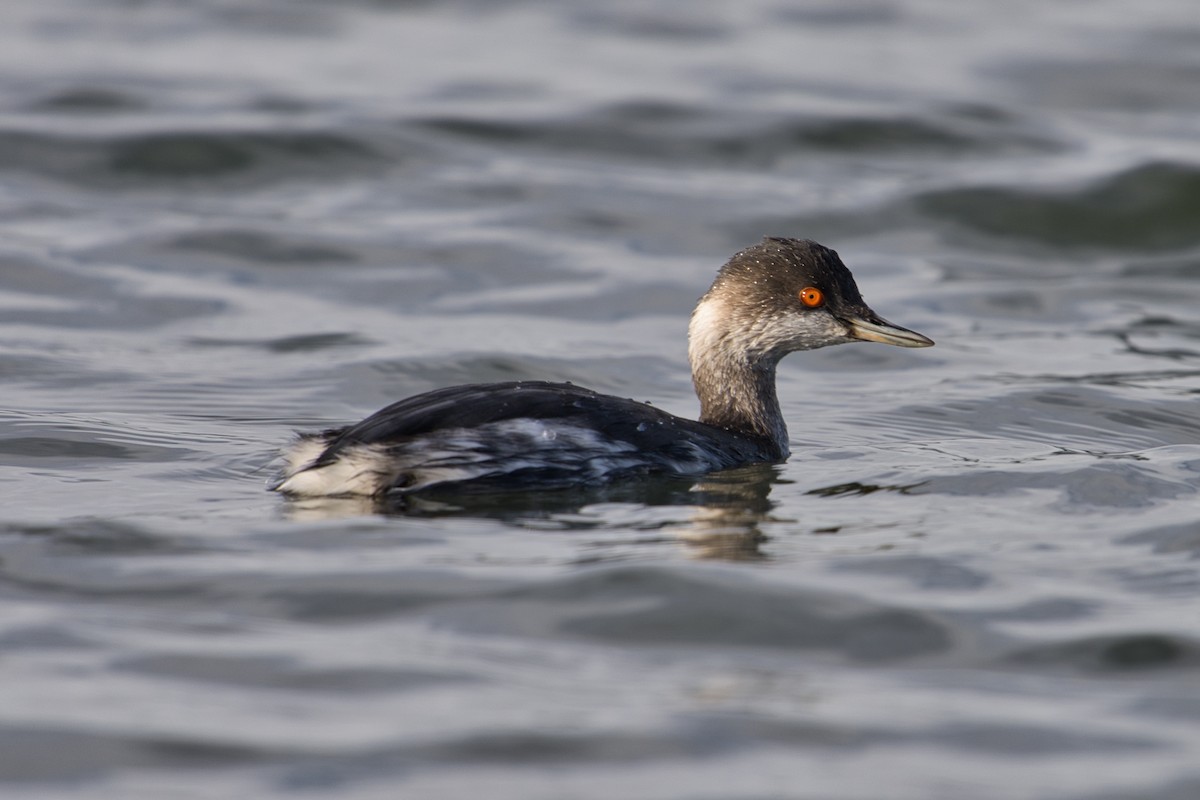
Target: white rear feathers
<point x="356" y="471"/>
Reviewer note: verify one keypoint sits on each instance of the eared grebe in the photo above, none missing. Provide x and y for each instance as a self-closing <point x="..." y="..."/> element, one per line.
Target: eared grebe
<point x="770" y="299"/>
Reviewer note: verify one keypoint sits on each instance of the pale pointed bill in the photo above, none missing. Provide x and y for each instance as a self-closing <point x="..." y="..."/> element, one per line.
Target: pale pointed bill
<point x="878" y="329"/>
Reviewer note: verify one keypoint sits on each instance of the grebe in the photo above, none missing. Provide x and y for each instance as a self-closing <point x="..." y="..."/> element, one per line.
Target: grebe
<point x="769" y="300"/>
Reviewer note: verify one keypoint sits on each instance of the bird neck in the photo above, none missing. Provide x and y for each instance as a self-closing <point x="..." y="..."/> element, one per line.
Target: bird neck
<point x="736" y="389"/>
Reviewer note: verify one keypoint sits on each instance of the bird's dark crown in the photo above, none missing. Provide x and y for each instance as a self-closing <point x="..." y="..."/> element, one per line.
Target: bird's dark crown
<point x="776" y="269"/>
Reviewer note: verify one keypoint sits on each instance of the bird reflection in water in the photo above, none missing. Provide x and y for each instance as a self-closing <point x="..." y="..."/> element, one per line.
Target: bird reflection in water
<point x="725" y="510"/>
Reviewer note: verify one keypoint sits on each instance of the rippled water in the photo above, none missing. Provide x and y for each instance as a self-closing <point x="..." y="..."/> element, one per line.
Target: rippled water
<point x="977" y="577"/>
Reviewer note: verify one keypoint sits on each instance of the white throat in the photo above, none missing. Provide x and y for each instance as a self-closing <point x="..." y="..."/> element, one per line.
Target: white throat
<point x="736" y="390"/>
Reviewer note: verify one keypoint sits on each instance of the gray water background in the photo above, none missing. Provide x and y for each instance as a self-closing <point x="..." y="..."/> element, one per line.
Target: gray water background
<point x="977" y="577"/>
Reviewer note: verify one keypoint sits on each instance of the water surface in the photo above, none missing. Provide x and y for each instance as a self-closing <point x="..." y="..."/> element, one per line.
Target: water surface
<point x="977" y="576"/>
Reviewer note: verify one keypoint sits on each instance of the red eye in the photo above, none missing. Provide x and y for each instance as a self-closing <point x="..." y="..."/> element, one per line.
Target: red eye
<point x="811" y="296"/>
